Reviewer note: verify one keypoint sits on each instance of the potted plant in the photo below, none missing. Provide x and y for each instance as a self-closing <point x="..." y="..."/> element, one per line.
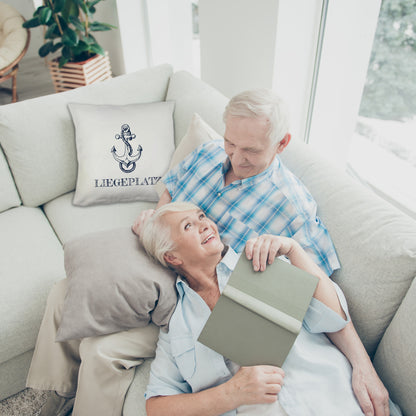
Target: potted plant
<point x="68" y="30"/>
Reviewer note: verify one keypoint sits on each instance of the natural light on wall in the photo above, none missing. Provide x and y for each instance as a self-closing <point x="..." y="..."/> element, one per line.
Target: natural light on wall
<point x="383" y="149"/>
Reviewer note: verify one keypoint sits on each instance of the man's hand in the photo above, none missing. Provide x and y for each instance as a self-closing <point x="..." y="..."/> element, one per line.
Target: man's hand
<point x="141" y="219"/>
<point x="370" y="392"/>
<point x="255" y="385"/>
<point x="264" y="249"/>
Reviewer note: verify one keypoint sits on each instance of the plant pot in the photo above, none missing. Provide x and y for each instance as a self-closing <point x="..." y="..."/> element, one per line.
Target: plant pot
<point x="78" y="74"/>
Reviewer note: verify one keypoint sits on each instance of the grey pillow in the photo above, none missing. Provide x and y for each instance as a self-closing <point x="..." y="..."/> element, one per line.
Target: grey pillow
<point x="113" y="286"/>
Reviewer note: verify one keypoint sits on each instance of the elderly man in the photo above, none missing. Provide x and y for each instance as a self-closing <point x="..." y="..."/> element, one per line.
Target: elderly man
<point x="241" y="185"/>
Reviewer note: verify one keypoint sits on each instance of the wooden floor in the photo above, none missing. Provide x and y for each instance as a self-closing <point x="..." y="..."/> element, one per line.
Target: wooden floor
<point x="33" y="80"/>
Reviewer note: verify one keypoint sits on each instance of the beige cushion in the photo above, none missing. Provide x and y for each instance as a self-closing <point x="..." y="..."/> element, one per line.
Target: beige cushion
<point x="122" y="151"/>
<point x="198" y="132"/>
<point x="13" y="36"/>
<point x="375" y="242"/>
<point x="394" y="359"/>
<point x="9" y="197"/>
<point x="192" y="95"/>
<point x="113" y="286"/>
<point x="43" y="127"/>
<point x="31" y="261"/>
<point x="70" y="221"/>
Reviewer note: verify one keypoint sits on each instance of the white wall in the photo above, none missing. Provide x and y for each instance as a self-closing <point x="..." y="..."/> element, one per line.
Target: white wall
<point x="238" y="42"/>
<point x="170" y="33"/>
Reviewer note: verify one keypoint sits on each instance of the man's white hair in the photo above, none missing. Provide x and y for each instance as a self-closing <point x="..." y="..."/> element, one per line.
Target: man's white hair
<point x="156" y="236"/>
<point x="261" y="104"/>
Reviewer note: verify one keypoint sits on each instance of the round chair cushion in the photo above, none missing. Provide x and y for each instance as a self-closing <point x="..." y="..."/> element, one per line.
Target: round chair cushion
<point x="13" y="36"/>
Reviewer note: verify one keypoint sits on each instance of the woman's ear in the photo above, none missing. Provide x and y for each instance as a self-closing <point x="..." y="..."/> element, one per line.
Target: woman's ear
<point x="170" y="258"/>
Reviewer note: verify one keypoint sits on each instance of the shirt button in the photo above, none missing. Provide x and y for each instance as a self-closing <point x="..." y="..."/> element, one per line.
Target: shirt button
<point x="219" y="194"/>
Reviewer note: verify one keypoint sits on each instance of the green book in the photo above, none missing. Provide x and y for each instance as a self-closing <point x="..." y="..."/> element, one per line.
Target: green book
<point x="259" y="314"/>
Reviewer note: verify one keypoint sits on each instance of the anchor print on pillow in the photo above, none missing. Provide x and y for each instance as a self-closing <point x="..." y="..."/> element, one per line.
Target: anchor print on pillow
<point x="127" y="160"/>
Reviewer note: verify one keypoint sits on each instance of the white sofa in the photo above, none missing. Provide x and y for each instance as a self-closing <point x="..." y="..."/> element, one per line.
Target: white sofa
<point x="376" y="243"/>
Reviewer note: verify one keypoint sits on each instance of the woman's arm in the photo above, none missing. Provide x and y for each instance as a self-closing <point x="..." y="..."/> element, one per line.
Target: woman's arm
<point x="250" y="385"/>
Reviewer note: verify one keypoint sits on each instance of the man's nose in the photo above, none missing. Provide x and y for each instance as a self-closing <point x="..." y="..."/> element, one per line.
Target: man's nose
<point x="237" y="156"/>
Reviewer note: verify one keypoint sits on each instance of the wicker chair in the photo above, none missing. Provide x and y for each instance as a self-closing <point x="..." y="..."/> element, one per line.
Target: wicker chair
<point x="14" y="42"/>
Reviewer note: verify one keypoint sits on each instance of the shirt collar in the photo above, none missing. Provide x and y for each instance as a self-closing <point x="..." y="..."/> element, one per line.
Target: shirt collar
<point x="224" y="269"/>
<point x="252" y="180"/>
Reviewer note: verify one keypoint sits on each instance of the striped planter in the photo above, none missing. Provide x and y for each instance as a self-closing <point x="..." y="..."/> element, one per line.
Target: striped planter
<point x="78" y="74"/>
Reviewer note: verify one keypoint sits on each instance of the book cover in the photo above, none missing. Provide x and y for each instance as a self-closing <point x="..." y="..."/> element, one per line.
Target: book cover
<point x="259" y="314"/>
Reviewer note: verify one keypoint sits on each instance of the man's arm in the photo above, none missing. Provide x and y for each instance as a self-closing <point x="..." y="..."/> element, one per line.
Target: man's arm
<point x="165" y="198"/>
<point x="368" y="388"/>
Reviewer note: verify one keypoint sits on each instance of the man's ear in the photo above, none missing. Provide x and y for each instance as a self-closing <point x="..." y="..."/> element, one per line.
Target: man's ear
<point x="170" y="258"/>
<point x="283" y="143"/>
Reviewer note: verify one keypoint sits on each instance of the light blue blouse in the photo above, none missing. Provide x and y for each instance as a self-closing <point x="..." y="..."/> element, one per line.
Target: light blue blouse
<point x="317" y="375"/>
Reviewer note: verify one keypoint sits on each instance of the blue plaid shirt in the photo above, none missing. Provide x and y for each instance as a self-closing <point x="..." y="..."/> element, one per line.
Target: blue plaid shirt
<point x="272" y="202"/>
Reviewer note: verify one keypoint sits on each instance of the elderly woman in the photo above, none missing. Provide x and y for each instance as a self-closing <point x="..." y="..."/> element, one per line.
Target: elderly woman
<point x="188" y="378"/>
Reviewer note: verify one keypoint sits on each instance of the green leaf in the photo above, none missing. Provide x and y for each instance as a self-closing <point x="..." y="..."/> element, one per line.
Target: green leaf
<point x="34" y="22"/>
<point x="45" y="49"/>
<point x="62" y="61"/>
<point x="77" y="23"/>
<point x="96" y="48"/>
<point x="66" y="52"/>
<point x="57" y="46"/>
<point x="100" y="27"/>
<point x="70" y="9"/>
<point x="58" y="5"/>
<point x="52" y="32"/>
<point x="82" y="5"/>
<point x="44" y="15"/>
<point x="70" y="37"/>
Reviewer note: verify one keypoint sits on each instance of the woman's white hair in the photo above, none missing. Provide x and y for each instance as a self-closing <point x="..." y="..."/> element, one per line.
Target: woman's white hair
<point x="155" y="235"/>
<point x="262" y="104"/>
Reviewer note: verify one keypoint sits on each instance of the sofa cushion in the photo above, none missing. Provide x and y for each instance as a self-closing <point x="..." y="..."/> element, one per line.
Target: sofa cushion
<point x="122" y="151"/>
<point x="43" y="127"/>
<point x="198" y="133"/>
<point x="31" y="260"/>
<point x="394" y="359"/>
<point x="192" y="95"/>
<point x="113" y="286"/>
<point x="134" y="404"/>
<point x="374" y="241"/>
<point x="70" y="221"/>
<point x="9" y="197"/>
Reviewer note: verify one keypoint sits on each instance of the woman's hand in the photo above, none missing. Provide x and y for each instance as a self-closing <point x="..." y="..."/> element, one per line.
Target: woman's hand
<point x="264" y="249"/>
<point x="255" y="385"/>
<point x="141" y="219"/>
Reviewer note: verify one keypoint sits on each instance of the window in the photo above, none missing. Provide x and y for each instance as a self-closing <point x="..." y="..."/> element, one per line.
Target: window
<point x="383" y="147"/>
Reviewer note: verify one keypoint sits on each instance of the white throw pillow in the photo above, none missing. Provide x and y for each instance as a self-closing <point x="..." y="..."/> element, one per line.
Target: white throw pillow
<point x="122" y="151"/>
<point x="198" y="133"/>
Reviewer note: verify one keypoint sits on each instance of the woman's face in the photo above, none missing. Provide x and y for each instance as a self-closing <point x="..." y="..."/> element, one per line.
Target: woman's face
<point x="195" y="236"/>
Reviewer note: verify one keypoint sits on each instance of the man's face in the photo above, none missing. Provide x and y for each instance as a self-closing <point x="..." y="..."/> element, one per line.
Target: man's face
<point x="247" y="146"/>
<point x="195" y="236"/>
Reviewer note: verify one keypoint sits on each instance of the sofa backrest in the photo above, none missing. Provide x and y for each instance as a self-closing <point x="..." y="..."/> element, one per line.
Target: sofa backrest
<point x="192" y="95"/>
<point x="376" y="245"/>
<point x="9" y="198"/>
<point x="375" y="242"/>
<point x="43" y="127"/>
